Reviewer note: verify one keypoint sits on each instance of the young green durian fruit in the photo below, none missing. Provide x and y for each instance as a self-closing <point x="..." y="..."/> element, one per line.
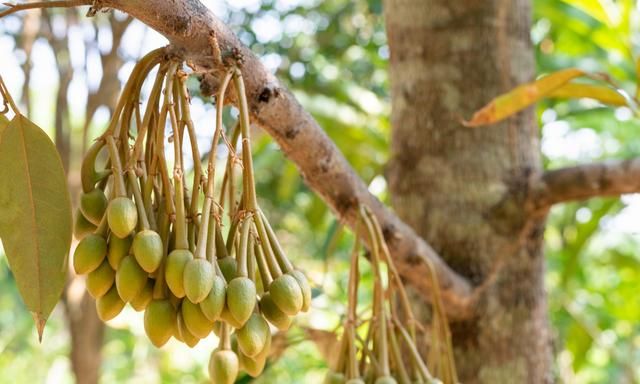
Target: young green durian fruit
<point x="89" y="253"/>
<point x="117" y="249"/>
<point x="130" y="279"/>
<point x="160" y="321"/>
<point x="213" y="305"/>
<point x="100" y="280"/>
<point x="142" y="300"/>
<point x="223" y="366"/>
<point x="195" y="321"/>
<point x="174" y="272"/>
<point x="252" y="337"/>
<point x="273" y="313"/>
<point x="254" y="366"/>
<point x="93" y="205"/>
<point x="198" y="279"/>
<point x="109" y="305"/>
<point x="82" y="227"/>
<point x="122" y="216"/>
<point x="182" y="333"/>
<point x="287" y="294"/>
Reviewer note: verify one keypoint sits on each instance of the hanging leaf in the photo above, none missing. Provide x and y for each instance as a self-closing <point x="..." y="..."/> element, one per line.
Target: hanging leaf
<point x="522" y="97"/>
<point x="35" y="216"/>
<point x="605" y="95"/>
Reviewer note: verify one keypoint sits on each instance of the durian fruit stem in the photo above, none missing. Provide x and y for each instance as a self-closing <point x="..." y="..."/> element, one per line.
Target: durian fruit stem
<point x="160" y="287"/>
<point x="221" y="249"/>
<point x="398" y="361"/>
<point x="341" y="361"/>
<point x="225" y="337"/>
<point x="228" y="180"/>
<point x="394" y="275"/>
<point x="152" y="104"/>
<point x="162" y="163"/>
<point x="168" y="107"/>
<point x="272" y="262"/>
<point x="424" y="371"/>
<point x="233" y="232"/>
<point x="127" y="98"/>
<point x="244" y="247"/>
<point x="137" y="196"/>
<point x="140" y="71"/>
<point x="116" y="167"/>
<point x="263" y="268"/>
<point x="209" y="194"/>
<point x="349" y="327"/>
<point x="211" y="240"/>
<point x="251" y="257"/>
<point x="283" y="261"/>
<point x="193" y="140"/>
<point x="379" y="316"/>
<point x="251" y="202"/>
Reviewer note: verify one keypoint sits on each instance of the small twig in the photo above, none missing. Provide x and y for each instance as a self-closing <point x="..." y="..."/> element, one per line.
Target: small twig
<point x="13" y="8"/>
<point x="584" y="181"/>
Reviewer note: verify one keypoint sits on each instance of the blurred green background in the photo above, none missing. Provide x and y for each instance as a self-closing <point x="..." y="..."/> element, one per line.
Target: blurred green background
<point x="66" y="69"/>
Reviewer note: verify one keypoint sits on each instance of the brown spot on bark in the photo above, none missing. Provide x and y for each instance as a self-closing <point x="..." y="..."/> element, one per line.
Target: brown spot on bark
<point x="291" y="133"/>
<point x="345" y="202"/>
<point x="180" y="24"/>
<point x="265" y="95"/>
<point x="414" y="259"/>
<point x="389" y="233"/>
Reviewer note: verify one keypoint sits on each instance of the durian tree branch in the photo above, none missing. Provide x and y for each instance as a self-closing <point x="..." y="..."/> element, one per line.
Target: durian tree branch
<point x="581" y="182"/>
<point x="13" y="8"/>
<point x="191" y="29"/>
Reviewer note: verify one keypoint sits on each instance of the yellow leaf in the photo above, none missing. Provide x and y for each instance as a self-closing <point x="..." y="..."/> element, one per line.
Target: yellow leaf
<point x="604" y="95"/>
<point x="3" y="124"/>
<point x="522" y="97"/>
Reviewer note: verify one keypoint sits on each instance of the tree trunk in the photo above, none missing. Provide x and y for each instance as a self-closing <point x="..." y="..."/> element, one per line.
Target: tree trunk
<point x="450" y="183"/>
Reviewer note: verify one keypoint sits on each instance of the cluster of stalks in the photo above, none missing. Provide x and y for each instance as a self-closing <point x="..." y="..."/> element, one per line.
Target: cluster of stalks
<point x="381" y="348"/>
<point x="149" y="240"/>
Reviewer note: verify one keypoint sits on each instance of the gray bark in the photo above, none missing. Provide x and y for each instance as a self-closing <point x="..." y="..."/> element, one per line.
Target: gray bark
<point x="455" y="185"/>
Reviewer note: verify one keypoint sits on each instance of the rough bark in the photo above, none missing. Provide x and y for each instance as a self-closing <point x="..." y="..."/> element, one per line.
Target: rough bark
<point x="87" y="333"/>
<point x="607" y="178"/>
<point x="451" y="183"/>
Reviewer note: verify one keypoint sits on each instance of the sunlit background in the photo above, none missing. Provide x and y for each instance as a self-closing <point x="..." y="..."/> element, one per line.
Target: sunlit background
<point x="333" y="55"/>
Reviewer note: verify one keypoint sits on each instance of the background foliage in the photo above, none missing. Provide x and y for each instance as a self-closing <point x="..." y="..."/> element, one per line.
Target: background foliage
<point x="333" y="55"/>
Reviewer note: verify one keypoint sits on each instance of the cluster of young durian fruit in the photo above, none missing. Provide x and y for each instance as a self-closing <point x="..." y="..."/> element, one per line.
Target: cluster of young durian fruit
<point x="379" y="345"/>
<point x="148" y="240"/>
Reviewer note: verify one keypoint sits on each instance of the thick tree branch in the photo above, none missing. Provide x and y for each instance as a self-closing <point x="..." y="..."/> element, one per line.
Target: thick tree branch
<point x="190" y="27"/>
<point x="608" y="178"/>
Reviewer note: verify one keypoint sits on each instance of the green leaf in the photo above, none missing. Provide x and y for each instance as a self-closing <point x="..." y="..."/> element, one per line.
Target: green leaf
<point x="35" y="216"/>
<point x="593" y="8"/>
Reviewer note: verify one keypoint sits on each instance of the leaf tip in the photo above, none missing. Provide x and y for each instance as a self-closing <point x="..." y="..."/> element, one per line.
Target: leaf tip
<point x="40" y="323"/>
